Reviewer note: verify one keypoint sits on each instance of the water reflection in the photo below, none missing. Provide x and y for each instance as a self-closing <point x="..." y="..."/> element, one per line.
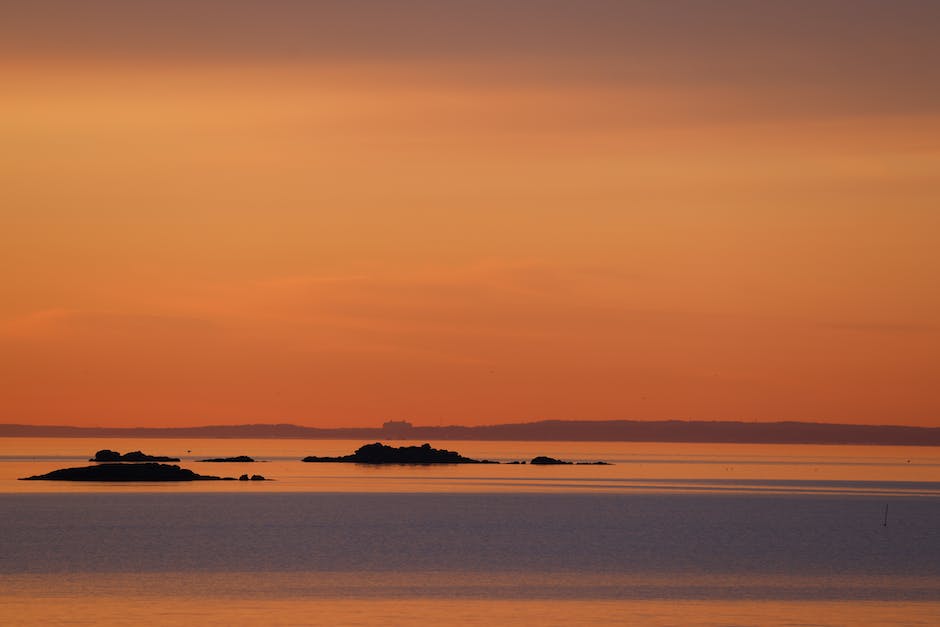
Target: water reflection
<point x="643" y="467"/>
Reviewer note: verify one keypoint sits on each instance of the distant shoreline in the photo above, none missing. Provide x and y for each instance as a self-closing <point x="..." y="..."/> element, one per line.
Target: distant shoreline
<point x="675" y="431"/>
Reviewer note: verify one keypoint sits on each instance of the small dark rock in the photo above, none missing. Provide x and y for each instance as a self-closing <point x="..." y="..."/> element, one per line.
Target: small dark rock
<point x="257" y="478"/>
<point x="243" y="478"/>
<point x="106" y="455"/>
<point x="240" y="458"/>
<point x="548" y="461"/>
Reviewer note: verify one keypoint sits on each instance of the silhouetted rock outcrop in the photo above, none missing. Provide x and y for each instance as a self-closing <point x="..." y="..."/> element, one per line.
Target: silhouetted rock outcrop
<point x="379" y="453"/>
<point x="107" y="455"/>
<point x="542" y="460"/>
<point x="125" y="472"/>
<point x="240" y="458"/>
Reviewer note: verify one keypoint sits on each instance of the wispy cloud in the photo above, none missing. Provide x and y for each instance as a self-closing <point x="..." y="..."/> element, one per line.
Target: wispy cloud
<point x="51" y="323"/>
<point x="903" y="328"/>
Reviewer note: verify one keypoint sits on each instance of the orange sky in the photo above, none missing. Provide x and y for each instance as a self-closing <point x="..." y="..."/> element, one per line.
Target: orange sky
<point x="227" y="212"/>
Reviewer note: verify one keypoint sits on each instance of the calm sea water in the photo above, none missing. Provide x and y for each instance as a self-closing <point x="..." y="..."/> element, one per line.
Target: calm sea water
<point x="669" y="534"/>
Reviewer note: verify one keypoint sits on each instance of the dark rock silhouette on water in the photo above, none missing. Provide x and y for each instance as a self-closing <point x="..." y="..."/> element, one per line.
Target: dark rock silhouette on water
<point x="125" y="472"/>
<point x="107" y="455"/>
<point x="252" y="478"/>
<point x="240" y="458"/>
<point x="379" y="453"/>
<point x="542" y="460"/>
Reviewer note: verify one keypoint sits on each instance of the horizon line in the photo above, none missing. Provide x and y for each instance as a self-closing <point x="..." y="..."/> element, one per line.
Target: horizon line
<point x="482" y="426"/>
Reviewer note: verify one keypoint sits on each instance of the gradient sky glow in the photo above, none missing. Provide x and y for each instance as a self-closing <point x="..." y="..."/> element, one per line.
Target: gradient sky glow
<point x="469" y="212"/>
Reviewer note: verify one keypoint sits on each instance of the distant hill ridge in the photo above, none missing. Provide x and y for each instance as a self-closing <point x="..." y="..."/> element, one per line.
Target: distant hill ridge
<point x="789" y="432"/>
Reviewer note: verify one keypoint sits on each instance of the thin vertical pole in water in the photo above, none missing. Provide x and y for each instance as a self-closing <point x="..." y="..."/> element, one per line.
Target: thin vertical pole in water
<point x="886" y="515"/>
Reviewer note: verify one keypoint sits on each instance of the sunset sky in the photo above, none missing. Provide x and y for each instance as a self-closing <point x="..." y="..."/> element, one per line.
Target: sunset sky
<point x="337" y="214"/>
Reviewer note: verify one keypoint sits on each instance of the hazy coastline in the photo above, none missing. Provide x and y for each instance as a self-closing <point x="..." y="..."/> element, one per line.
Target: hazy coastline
<point x="730" y="432"/>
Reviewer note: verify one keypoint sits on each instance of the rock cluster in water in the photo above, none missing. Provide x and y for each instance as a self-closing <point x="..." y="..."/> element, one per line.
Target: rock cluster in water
<point x="107" y="455"/>
<point x="379" y="453"/>
<point x="146" y="467"/>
